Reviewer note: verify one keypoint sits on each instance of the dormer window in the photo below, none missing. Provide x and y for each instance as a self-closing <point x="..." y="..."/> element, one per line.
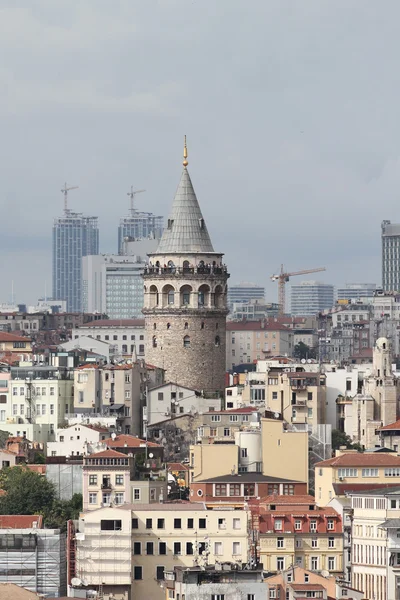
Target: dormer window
<point x="201" y="223"/>
<point x="170" y="223"/>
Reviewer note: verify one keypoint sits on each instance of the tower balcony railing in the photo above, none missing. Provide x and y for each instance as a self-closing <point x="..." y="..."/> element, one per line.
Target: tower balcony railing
<point x="192" y="270"/>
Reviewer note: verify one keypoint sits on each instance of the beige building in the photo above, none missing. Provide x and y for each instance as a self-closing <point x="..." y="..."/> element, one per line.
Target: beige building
<point x="16" y="345"/>
<point x="350" y="469"/>
<point x="125" y="336"/>
<point x="284" y="452"/>
<point x="127" y="549"/>
<point x="249" y="341"/>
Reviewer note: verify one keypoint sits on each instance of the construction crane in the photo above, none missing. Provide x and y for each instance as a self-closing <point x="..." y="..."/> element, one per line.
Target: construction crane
<point x="65" y="191"/>
<point x="132" y="195"/>
<point x="282" y="278"/>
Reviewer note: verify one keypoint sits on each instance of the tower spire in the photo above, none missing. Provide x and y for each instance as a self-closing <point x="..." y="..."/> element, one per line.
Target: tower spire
<point x="185" y="161"/>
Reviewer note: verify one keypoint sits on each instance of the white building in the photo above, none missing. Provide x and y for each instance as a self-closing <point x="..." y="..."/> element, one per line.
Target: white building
<point x="311" y="297"/>
<point x="75" y="439"/>
<point x="356" y="291"/>
<point x="125" y="335"/>
<point x="245" y="292"/>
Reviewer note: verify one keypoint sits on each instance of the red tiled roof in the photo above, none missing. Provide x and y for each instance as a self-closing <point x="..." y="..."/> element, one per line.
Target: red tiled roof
<point x="88" y="366"/>
<point x="11" y="337"/>
<point x="130" y="440"/>
<point x="395" y="425"/>
<point x="177" y="467"/>
<point x="96" y="428"/>
<point x="114" y="323"/>
<point x="20" y="521"/>
<point x="306" y="587"/>
<point x="341" y="488"/>
<point x="361" y="459"/>
<point x="123" y="367"/>
<point x="245" y="410"/>
<point x="107" y="454"/>
<point x="296" y="499"/>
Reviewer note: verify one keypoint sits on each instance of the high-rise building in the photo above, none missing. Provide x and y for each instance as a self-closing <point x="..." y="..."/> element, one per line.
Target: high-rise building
<point x="390" y="256"/>
<point x="245" y="292"/>
<point x="356" y="291"/>
<point x="311" y="297"/>
<point x="185" y="305"/>
<point x="139" y="225"/>
<point x="74" y="236"/>
<point x="113" y="283"/>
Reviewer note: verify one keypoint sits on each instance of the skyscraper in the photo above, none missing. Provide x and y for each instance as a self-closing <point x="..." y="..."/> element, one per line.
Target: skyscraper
<point x="245" y="292"/>
<point x="390" y="256"/>
<point x="311" y="297"/>
<point x="139" y="225"/>
<point x="74" y="236"/>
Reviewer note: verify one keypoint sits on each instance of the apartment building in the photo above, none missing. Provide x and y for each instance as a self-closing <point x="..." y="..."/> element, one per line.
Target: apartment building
<point x="222" y="425"/>
<point x="17" y="346"/>
<point x="293" y="530"/>
<point x="249" y="341"/>
<point x="376" y="543"/>
<point x="125" y="335"/>
<point x="389" y="436"/>
<point x="127" y="549"/>
<point x="76" y="439"/>
<point x="350" y="470"/>
<point x="284" y="452"/>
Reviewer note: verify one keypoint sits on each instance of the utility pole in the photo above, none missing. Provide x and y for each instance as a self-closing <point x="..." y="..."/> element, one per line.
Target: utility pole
<point x="132" y="195"/>
<point x="65" y="191"/>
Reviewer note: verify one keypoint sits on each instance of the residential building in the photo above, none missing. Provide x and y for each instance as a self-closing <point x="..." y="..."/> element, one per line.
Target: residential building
<point x="375" y="543"/>
<point x="74" y="236"/>
<point x="309" y="337"/>
<point x="171" y="399"/>
<point x="221" y="426"/>
<point x="308" y="298"/>
<point x="75" y="439"/>
<point x="233" y="490"/>
<point x="356" y="291"/>
<point x="352" y="470"/>
<point x="254" y="310"/>
<point x="222" y="580"/>
<point x="389" y="436"/>
<point x="247" y="342"/>
<point x="32" y="557"/>
<point x="113" y="284"/>
<point x="244" y="293"/>
<point x="284" y="452"/>
<point x="127" y="549"/>
<point x="390" y="237"/>
<point x="296" y="582"/>
<point x="185" y="303"/>
<point x="18" y="346"/>
<point x="293" y="530"/>
<point x="125" y="335"/>
<point x="113" y="478"/>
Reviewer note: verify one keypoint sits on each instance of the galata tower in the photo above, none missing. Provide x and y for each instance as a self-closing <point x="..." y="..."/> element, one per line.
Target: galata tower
<point x="185" y="298"/>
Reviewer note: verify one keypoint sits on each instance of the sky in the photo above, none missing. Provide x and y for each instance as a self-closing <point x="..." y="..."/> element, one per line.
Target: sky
<point x="291" y="111"/>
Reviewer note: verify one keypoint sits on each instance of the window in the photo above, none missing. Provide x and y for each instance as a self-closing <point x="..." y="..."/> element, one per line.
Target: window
<point x="15" y="409"/>
<point x="137" y="548"/>
<point x="177" y="548"/>
<point x="233" y="418"/>
<point x="135" y="523"/>
<point x="279" y="542"/>
<point x="119" y="498"/>
<point x="217" y="596"/>
<point x="236" y="548"/>
<point x="21" y="391"/>
<point x="331" y="542"/>
<point x="272" y="593"/>
<point x="236" y="523"/>
<point x="370" y="472"/>
<point x="15" y="391"/>
<point x="280" y="563"/>
<point x="92" y="498"/>
<point x="119" y="480"/>
<point x="177" y="523"/>
<point x="111" y="525"/>
<point x="137" y="573"/>
<point x="160" y="523"/>
<point x="136" y="494"/>
<point x="215" y="418"/>
<point x="227" y="432"/>
<point x="331" y="563"/>
<point x="202" y="523"/>
<point x="162" y="548"/>
<point x="393" y="472"/>
<point x="149" y="523"/>
<point x="314" y="563"/>
<point x="43" y="409"/>
<point x="306" y="578"/>
<point x="106" y="498"/>
<point x="52" y="409"/>
<point x="278" y="525"/>
<point x="348" y="472"/>
<point x="189" y="548"/>
<point x="43" y="391"/>
<point x="314" y="543"/>
<point x="331" y="525"/>
<point x="186" y="341"/>
<point x="149" y="548"/>
<point x="313" y="526"/>
<point x="92" y="479"/>
<point x="218" y="548"/>
<point x="220" y="489"/>
<point x="159" y="573"/>
<point x="234" y="489"/>
<point x="127" y="394"/>
<point x="61" y="438"/>
<point x="21" y="409"/>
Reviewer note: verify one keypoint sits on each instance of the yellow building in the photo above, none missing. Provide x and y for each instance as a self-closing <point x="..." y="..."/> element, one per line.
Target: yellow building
<point x="127" y="549"/>
<point x="352" y="470"/>
<point x="15" y="344"/>
<point x="284" y="453"/>
<point x="212" y="460"/>
<point x="294" y="531"/>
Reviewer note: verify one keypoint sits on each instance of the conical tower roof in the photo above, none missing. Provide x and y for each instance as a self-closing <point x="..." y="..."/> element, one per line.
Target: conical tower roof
<point x="186" y="230"/>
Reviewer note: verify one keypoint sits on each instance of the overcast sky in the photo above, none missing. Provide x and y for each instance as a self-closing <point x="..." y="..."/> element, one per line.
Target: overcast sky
<point x="291" y="111"/>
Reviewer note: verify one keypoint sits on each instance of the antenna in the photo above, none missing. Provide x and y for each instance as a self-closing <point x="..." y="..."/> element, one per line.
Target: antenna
<point x="65" y="191"/>
<point x="132" y="195"/>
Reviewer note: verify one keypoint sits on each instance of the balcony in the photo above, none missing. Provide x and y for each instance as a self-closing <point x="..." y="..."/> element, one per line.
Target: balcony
<point x="106" y="485"/>
<point x="299" y="402"/>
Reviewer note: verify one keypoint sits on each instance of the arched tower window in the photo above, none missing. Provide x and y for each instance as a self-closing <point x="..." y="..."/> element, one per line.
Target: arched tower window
<point x="186" y="325"/>
<point x="153" y="296"/>
<point x="168" y="325"/>
<point x="186" y="291"/>
<point x="168" y="295"/>
<point x="202" y="325"/>
<point x="155" y="326"/>
<point x="186" y="266"/>
<point x="217" y="340"/>
<point x="186" y="341"/>
<point x="154" y="341"/>
<point x="218" y="296"/>
<point x="204" y="295"/>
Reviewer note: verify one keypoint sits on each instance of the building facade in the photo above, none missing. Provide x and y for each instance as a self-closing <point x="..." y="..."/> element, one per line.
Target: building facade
<point x="123" y="335"/>
<point x="245" y="292"/>
<point x="74" y="236"/>
<point x="356" y="291"/>
<point x="185" y="306"/>
<point x="139" y="226"/>
<point x="390" y="236"/>
<point x="311" y="297"/>
<point x="247" y="342"/>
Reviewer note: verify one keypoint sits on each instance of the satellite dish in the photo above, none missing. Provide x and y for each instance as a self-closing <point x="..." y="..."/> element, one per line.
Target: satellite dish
<point x="325" y="573"/>
<point x="151" y="455"/>
<point x="276" y="415"/>
<point x="76" y="581"/>
<point x="113" y="436"/>
<point x="309" y="361"/>
<point x="303" y="361"/>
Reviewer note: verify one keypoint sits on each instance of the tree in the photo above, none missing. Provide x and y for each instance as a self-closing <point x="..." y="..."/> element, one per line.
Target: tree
<point x="26" y="492"/>
<point x="62" y="511"/>
<point x="4" y="435"/>
<point x="339" y="438"/>
<point x="301" y="350"/>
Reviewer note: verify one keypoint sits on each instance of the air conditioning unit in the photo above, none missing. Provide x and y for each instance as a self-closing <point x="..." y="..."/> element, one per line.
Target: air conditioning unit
<point x="247" y="497"/>
<point x="341" y="478"/>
